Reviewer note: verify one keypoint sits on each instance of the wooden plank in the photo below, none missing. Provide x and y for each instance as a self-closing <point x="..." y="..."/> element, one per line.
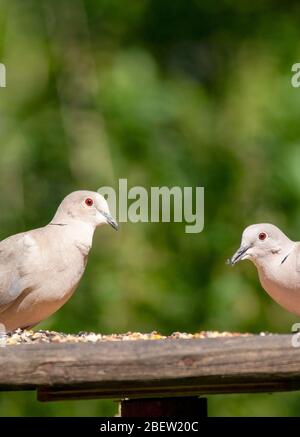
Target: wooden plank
<point x="143" y="369"/>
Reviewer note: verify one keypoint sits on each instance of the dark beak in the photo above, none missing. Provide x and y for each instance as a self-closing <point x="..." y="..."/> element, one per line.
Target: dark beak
<point x="110" y="220"/>
<point x="238" y="255"/>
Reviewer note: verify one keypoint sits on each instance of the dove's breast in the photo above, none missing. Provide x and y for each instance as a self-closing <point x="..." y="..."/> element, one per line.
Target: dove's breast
<point x="62" y="266"/>
<point x="282" y="282"/>
<point x="51" y="268"/>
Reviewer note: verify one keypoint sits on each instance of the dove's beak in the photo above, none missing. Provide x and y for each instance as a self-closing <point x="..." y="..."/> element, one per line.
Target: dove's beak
<point x="238" y="256"/>
<point x="110" y="220"/>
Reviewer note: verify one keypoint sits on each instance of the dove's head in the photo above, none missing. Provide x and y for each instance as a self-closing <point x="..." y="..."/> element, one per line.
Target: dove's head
<point x="85" y="206"/>
<point x="260" y="241"/>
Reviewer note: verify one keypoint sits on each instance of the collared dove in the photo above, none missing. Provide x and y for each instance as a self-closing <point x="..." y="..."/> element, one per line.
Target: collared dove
<point x="277" y="260"/>
<point x="40" y="269"/>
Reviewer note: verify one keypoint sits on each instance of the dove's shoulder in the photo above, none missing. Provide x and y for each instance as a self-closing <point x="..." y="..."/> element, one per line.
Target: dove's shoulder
<point x="17" y="245"/>
<point x="10" y="248"/>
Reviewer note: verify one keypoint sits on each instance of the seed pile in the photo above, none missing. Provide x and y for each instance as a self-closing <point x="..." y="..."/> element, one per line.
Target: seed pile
<point x="30" y="337"/>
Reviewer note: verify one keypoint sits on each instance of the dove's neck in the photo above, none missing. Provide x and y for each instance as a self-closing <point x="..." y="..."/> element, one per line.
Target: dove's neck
<point x="277" y="258"/>
<point x="78" y="232"/>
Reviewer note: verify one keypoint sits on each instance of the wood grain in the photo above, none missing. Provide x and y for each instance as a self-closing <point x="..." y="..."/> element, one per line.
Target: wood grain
<point x="141" y="369"/>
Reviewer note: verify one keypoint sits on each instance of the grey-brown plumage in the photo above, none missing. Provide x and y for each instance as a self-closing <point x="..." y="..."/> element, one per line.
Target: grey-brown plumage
<point x="40" y="269"/>
<point x="277" y="259"/>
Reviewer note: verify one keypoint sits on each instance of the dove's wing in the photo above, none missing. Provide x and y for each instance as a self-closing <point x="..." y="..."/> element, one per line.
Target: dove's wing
<point x="15" y="254"/>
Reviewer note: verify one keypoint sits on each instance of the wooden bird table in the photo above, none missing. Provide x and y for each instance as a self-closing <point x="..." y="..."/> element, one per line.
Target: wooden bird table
<point x="161" y="378"/>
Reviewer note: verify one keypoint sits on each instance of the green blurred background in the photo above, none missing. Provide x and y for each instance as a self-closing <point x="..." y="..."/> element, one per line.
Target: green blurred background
<point x="168" y="93"/>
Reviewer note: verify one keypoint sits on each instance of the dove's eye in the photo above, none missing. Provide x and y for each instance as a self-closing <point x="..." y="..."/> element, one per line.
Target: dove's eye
<point x="262" y="236"/>
<point x="89" y="201"/>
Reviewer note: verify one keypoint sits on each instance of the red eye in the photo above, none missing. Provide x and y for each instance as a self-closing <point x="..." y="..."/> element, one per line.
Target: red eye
<point x="262" y="236"/>
<point x="89" y="201"/>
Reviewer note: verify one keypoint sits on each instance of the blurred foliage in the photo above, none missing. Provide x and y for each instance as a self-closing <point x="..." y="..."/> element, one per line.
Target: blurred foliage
<point x="162" y="93"/>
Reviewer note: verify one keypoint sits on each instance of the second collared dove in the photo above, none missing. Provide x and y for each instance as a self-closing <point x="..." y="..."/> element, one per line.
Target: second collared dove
<point x="277" y="260"/>
<point x="40" y="269"/>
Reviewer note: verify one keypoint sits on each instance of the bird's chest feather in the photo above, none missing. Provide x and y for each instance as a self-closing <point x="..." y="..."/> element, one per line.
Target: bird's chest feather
<point x="62" y="262"/>
<point x="280" y="275"/>
<point x="66" y="268"/>
<point x="282" y="282"/>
